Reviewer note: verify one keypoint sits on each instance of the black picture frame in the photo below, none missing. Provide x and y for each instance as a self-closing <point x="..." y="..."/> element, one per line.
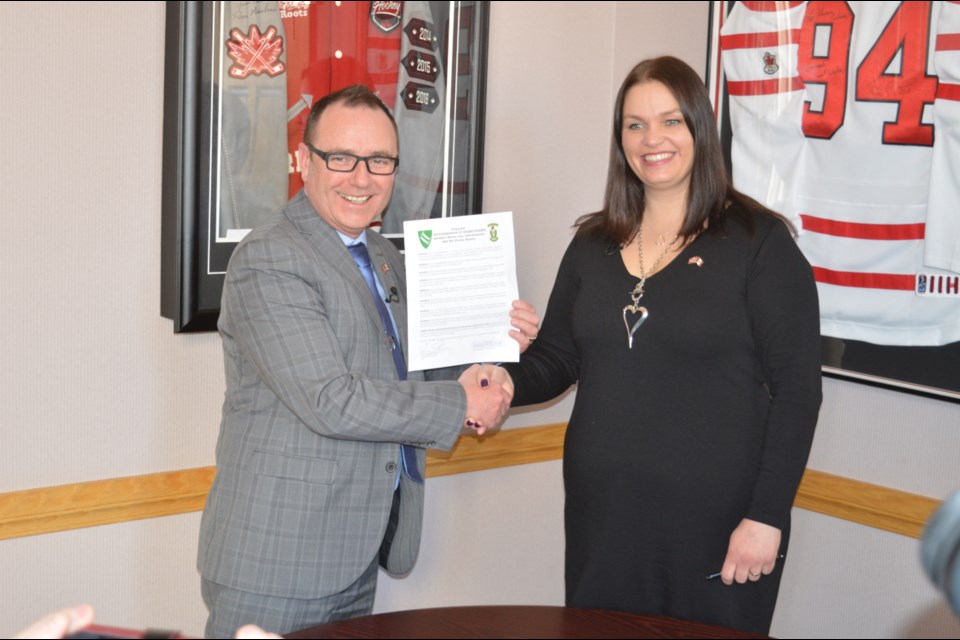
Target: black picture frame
<point x="932" y="371"/>
<point x="195" y="249"/>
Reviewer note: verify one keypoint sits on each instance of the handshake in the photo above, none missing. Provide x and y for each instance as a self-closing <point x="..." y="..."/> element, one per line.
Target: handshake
<point x="488" y="387"/>
<point x="489" y="391"/>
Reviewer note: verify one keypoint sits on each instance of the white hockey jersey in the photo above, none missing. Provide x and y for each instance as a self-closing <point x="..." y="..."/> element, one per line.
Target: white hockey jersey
<point x="840" y="122"/>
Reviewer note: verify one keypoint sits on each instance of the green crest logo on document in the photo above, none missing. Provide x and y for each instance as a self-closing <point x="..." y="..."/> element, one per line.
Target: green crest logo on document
<point x="493" y="231"/>
<point x="425" y="237"/>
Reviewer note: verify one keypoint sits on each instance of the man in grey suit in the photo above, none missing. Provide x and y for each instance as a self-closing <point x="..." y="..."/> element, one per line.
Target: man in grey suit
<point x="321" y="449"/>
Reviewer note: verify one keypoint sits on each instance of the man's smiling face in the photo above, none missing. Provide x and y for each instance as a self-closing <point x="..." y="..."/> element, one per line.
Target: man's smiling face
<point x="349" y="202"/>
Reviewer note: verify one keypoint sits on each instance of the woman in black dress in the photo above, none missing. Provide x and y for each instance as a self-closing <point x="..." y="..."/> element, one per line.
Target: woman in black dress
<point x="688" y="318"/>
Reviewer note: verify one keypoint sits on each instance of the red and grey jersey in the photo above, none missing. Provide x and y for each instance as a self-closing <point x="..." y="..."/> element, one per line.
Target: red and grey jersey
<point x="833" y="107"/>
<point x="420" y="111"/>
<point x="252" y="128"/>
<point x="332" y="45"/>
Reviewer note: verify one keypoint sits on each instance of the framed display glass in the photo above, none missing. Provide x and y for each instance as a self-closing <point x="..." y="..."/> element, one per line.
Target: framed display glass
<point x="240" y="80"/>
<point x="845" y="118"/>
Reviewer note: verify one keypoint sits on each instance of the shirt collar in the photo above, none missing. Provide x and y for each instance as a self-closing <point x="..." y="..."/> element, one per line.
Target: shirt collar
<point x="347" y="240"/>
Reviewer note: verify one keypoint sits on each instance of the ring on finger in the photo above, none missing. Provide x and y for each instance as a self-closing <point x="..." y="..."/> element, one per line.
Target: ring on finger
<point x="754" y="575"/>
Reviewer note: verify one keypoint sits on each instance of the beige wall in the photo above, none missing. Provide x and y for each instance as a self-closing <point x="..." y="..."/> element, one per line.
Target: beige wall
<point x="93" y="383"/>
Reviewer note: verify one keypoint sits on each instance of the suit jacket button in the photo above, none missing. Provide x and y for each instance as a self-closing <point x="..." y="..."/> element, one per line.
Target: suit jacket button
<point x="391" y="467"/>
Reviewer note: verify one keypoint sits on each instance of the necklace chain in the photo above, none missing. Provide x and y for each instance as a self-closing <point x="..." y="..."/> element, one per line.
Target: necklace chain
<point x="637" y="292"/>
<point x="635" y="314"/>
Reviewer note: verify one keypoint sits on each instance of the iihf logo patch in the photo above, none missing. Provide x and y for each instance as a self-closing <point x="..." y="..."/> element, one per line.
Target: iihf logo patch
<point x="770" y="65"/>
<point x="386" y="15"/>
<point x="937" y="285"/>
<point x="254" y="54"/>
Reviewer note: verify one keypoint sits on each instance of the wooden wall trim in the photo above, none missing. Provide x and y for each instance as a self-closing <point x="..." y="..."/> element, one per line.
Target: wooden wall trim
<point x="502" y="449"/>
<point x="867" y="504"/>
<point x="86" y="504"/>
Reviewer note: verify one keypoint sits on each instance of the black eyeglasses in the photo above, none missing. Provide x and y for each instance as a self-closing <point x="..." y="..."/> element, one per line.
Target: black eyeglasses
<point x="347" y="162"/>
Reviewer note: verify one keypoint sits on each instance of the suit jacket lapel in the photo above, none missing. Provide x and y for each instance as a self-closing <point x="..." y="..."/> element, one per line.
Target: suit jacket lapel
<point x="331" y="250"/>
<point x="389" y="278"/>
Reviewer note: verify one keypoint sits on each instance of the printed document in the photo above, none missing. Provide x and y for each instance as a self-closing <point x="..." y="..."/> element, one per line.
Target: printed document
<point x="461" y="282"/>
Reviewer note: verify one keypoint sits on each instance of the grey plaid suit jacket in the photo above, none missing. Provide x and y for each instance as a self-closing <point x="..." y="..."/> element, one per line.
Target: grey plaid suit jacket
<point x="308" y="450"/>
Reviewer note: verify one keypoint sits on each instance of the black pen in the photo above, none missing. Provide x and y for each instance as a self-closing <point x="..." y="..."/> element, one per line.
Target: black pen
<point x="713" y="576"/>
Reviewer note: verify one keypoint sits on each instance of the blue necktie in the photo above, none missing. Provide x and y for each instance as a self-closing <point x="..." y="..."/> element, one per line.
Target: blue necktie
<point x="362" y="258"/>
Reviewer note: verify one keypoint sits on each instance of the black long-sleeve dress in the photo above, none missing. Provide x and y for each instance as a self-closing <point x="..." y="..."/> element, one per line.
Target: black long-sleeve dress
<point x="707" y="420"/>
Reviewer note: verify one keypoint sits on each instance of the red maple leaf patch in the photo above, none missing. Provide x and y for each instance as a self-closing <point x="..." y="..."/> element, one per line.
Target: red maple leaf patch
<point x="254" y="53"/>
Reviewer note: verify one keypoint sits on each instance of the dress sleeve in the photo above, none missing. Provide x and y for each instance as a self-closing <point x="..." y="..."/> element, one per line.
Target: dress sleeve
<point x="552" y="363"/>
<point x="785" y="322"/>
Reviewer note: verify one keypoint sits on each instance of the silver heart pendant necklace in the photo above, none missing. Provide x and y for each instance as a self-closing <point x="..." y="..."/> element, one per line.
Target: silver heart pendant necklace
<point x="632" y="323"/>
<point x="633" y="309"/>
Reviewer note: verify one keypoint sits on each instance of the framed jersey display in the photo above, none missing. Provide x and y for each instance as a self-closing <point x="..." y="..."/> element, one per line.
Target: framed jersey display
<point x="845" y="117"/>
<point x="240" y="80"/>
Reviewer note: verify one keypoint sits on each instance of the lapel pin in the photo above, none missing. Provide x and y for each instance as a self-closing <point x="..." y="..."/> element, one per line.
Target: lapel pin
<point x="384" y="268"/>
<point x="697" y="260"/>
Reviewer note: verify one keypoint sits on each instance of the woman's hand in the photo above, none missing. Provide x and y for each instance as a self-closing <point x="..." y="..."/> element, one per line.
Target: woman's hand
<point x="526" y="323"/>
<point x="752" y="552"/>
